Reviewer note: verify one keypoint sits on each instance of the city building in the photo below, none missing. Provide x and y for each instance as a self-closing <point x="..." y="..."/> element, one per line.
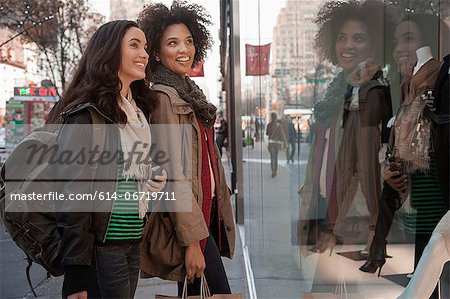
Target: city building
<point x="126" y="9"/>
<point x="18" y="65"/>
<point x="22" y="98"/>
<point x="293" y="53"/>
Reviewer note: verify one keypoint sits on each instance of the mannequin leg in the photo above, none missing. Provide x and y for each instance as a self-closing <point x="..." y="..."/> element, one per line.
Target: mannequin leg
<point x="436" y="253"/>
<point x="428" y="270"/>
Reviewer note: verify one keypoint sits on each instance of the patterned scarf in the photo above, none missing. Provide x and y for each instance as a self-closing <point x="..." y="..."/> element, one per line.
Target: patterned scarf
<point x="327" y="110"/>
<point x="135" y="138"/>
<point x="188" y="91"/>
<point x="412" y="128"/>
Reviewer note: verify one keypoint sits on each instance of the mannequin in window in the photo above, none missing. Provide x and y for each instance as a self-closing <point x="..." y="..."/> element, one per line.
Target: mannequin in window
<point x="412" y="39"/>
<point x="437" y="252"/>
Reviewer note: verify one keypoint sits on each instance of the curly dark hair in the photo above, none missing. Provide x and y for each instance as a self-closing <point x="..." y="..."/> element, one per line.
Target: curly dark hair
<point x="96" y="78"/>
<point x="156" y="17"/>
<point x="334" y="14"/>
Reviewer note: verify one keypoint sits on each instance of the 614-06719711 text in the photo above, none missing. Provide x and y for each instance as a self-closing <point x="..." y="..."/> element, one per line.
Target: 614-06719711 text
<point x="150" y="196"/>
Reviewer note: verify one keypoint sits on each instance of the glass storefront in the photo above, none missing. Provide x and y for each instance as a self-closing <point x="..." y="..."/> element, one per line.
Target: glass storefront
<point x="316" y="121"/>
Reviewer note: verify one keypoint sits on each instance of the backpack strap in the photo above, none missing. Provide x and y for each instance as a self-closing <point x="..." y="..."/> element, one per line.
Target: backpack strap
<point x="30" y="263"/>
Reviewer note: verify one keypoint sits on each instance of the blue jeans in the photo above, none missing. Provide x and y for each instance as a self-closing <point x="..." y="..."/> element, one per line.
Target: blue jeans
<point x="114" y="271"/>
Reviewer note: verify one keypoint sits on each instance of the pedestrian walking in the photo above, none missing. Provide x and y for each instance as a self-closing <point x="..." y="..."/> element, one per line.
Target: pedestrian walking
<point x="221" y="132"/>
<point x="277" y="140"/>
<point x="292" y="138"/>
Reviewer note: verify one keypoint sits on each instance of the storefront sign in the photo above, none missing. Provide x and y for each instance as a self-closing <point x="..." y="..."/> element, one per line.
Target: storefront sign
<point x="35" y="94"/>
<point x="257" y="60"/>
<point x="35" y="91"/>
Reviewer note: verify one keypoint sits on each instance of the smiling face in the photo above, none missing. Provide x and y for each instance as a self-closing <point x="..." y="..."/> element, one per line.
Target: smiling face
<point x="407" y="39"/>
<point x="352" y="44"/>
<point x="134" y="57"/>
<point x="177" y="49"/>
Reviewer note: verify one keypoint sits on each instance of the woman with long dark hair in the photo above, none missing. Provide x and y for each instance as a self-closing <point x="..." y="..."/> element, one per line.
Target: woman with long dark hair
<point x="178" y="39"/>
<point x="99" y="247"/>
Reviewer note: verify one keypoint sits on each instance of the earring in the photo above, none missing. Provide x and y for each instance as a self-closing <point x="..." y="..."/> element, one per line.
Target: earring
<point x="157" y="58"/>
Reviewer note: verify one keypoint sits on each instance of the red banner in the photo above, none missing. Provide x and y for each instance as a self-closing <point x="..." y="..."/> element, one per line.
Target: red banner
<point x="197" y="71"/>
<point x="257" y="60"/>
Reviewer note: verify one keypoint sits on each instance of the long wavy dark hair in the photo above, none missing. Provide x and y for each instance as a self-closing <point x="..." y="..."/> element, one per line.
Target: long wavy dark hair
<point x="156" y="17"/>
<point x="96" y="78"/>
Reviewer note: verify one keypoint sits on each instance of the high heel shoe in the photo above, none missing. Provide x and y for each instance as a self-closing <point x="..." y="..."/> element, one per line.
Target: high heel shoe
<point x="376" y="258"/>
<point x="372" y="266"/>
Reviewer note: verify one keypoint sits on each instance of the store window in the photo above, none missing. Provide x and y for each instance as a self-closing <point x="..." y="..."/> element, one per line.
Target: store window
<point x="325" y="211"/>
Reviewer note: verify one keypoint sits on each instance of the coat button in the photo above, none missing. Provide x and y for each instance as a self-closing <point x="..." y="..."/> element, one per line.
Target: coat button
<point x="229" y="229"/>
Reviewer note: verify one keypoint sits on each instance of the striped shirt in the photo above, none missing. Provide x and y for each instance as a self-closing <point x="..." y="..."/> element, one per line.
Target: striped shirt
<point x="125" y="223"/>
<point x="426" y="198"/>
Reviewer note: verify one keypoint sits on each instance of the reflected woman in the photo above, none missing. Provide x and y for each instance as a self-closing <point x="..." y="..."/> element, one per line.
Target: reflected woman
<point x="359" y="99"/>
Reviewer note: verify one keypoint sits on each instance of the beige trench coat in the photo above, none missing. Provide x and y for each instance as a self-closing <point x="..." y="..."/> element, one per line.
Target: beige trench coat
<point x="166" y="235"/>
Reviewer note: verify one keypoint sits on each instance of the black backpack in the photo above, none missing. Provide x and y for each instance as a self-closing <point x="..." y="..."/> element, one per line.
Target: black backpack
<point x="35" y="232"/>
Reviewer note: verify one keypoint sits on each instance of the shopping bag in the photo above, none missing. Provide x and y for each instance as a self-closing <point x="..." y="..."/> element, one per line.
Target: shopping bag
<point x="340" y="292"/>
<point x="204" y="293"/>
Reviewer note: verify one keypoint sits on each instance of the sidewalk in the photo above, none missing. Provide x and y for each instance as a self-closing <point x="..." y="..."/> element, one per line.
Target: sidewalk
<point x="148" y="288"/>
<point x="271" y="213"/>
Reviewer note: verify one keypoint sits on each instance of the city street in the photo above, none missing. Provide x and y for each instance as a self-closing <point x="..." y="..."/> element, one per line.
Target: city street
<point x="271" y="215"/>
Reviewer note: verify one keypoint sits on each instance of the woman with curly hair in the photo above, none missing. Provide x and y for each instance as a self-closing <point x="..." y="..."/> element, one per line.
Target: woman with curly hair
<point x="178" y="39"/>
<point x="347" y="136"/>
